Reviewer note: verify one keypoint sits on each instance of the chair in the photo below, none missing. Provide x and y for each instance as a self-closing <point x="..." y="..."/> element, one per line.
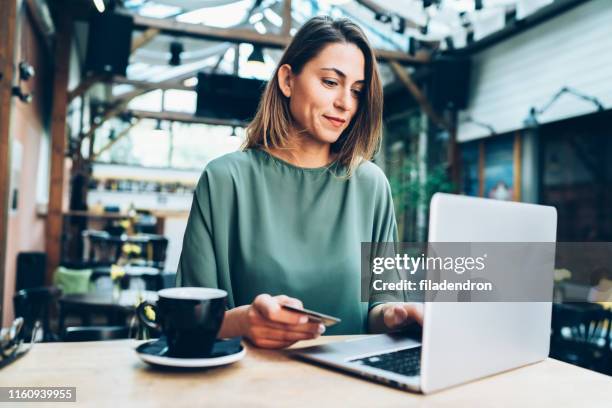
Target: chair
<point x="138" y="276"/>
<point x="33" y="304"/>
<point x="30" y="270"/>
<point x="145" y="223"/>
<point x="156" y="251"/>
<point x="581" y="335"/>
<point x="95" y="333"/>
<point x="72" y="281"/>
<point x="99" y="247"/>
<point x="167" y="280"/>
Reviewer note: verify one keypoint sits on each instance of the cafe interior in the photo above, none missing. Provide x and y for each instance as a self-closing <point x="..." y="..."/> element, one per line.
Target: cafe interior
<point x="111" y="109"/>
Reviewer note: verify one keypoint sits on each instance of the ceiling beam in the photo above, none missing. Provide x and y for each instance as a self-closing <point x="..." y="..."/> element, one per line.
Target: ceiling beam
<point x="173" y="27"/>
<point x="85" y="84"/>
<point x="173" y="84"/>
<point x="404" y="77"/>
<point x="238" y="35"/>
<point x="110" y="113"/>
<point x="144" y="38"/>
<point x="374" y="7"/>
<point x="110" y="144"/>
<point x="286" y="29"/>
<point x="185" y="118"/>
<point x="142" y="87"/>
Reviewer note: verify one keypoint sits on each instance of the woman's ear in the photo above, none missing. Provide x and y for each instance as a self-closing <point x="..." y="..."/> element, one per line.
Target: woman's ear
<point x="285" y="79"/>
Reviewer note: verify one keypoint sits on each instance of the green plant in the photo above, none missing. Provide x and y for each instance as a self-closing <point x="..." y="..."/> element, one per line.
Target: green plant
<point x="410" y="193"/>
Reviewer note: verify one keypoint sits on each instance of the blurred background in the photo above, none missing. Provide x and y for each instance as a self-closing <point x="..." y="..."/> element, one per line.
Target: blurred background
<point x="110" y="110"/>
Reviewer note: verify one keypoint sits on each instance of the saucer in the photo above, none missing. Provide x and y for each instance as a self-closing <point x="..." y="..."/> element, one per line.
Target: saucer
<point x="224" y="352"/>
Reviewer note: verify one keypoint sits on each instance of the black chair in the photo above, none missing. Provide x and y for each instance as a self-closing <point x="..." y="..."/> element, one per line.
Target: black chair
<point x="100" y="247"/>
<point x="31" y="268"/>
<point x="159" y="246"/>
<point x="145" y="223"/>
<point x="33" y="304"/>
<point x="95" y="333"/>
<point x="167" y="280"/>
<point x="586" y="341"/>
<point x="150" y="278"/>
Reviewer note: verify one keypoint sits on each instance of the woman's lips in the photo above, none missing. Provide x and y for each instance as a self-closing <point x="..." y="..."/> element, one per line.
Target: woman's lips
<point x="336" y="122"/>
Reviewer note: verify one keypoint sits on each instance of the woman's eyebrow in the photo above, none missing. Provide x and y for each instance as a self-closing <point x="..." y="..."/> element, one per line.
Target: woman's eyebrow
<point x="341" y="74"/>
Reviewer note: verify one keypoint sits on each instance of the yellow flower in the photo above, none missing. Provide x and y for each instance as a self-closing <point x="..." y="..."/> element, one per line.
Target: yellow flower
<point x="149" y="312"/>
<point x="125" y="224"/>
<point x="117" y="272"/>
<point x="562" y="274"/>
<point x="129" y="249"/>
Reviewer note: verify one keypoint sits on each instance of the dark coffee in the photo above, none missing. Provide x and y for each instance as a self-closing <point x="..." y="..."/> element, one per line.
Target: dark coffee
<point x="190" y="318"/>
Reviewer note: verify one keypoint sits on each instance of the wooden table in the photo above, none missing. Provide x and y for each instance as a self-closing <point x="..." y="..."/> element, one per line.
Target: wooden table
<point x="110" y="374"/>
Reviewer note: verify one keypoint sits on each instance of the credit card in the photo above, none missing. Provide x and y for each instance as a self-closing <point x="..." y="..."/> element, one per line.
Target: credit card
<point x="327" y="320"/>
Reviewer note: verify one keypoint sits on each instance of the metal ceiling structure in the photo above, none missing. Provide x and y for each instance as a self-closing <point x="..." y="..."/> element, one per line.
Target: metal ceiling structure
<point x="391" y="25"/>
<point x="219" y="36"/>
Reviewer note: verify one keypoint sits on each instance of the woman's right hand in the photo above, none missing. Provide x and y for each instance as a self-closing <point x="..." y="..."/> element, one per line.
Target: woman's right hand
<point x="266" y="324"/>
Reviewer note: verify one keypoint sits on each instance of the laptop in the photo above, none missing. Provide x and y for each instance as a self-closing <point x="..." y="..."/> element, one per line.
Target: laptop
<point x="461" y="341"/>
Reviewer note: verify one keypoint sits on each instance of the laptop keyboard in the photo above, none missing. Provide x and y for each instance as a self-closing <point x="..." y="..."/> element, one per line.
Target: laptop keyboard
<point x="406" y="362"/>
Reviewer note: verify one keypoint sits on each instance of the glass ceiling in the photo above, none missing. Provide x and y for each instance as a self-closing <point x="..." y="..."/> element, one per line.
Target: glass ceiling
<point x="443" y="19"/>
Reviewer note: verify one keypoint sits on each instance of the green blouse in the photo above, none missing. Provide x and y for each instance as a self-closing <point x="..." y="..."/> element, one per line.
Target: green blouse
<point x="261" y="225"/>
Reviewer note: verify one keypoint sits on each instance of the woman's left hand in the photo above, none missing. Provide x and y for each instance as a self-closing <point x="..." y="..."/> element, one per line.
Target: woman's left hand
<point x="393" y="316"/>
<point x="397" y="315"/>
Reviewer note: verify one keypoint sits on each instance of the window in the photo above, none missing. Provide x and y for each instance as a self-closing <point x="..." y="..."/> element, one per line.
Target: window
<point x="154" y="143"/>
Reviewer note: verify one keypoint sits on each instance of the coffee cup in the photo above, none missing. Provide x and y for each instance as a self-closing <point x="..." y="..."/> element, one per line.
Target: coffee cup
<point x="189" y="318"/>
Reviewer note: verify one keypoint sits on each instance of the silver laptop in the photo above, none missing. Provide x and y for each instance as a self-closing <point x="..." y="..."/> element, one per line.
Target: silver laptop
<point x="461" y="341"/>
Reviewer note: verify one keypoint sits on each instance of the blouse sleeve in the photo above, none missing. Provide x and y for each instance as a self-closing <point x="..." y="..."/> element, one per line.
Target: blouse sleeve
<point x="383" y="244"/>
<point x="198" y="263"/>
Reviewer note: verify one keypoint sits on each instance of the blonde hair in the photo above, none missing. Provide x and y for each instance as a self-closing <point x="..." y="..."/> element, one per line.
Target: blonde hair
<point x="272" y="123"/>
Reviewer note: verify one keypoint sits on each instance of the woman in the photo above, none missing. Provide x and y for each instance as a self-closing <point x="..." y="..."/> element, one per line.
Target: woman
<point x="286" y="215"/>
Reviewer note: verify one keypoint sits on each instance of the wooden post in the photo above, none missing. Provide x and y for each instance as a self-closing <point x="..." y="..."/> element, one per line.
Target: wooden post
<point x="8" y="26"/>
<point x="53" y="238"/>
<point x="286" y="29"/>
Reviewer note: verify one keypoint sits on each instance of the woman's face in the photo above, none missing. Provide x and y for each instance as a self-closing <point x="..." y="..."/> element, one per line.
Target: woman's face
<point x="324" y="97"/>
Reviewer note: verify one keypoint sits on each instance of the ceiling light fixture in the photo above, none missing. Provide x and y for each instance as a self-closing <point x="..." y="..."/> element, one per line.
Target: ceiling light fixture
<point x="256" y="58"/>
<point x="398" y="24"/>
<point x="176" y="48"/>
<point x="99" y="5"/>
<point x="382" y="17"/>
<point x="412" y="46"/>
<point x="450" y="43"/>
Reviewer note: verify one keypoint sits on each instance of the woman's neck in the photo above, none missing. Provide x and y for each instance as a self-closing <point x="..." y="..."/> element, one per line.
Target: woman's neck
<point x="303" y="151"/>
